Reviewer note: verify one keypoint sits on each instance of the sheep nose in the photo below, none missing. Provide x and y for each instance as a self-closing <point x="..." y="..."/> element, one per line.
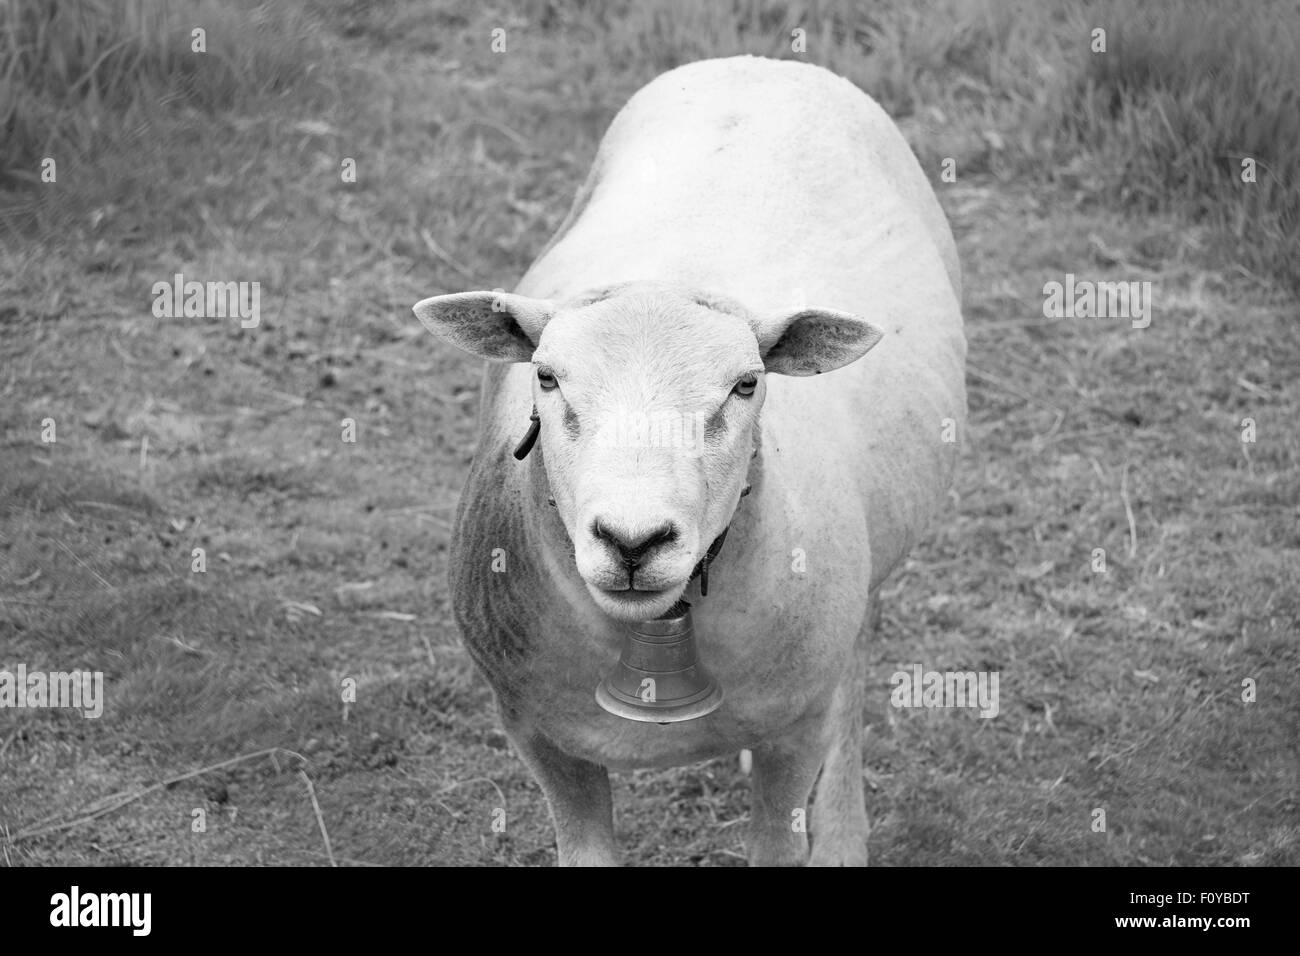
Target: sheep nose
<point x="632" y="547"/>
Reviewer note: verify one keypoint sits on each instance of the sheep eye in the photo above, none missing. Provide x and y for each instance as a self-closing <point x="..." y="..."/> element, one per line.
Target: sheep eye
<point x="546" y="379"/>
<point x="745" y="387"/>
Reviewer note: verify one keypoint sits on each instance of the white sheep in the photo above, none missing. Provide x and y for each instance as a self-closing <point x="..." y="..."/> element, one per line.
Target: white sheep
<point x="747" y="224"/>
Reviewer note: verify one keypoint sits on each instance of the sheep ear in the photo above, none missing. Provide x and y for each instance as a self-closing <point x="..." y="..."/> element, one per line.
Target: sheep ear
<point x="811" y="341"/>
<point x="497" y="326"/>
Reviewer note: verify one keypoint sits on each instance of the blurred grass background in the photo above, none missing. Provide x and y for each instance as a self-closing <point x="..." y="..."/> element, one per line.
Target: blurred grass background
<point x="1185" y="90"/>
<point x="1120" y="690"/>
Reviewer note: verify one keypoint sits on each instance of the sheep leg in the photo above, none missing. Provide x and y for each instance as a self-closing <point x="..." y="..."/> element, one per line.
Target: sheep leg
<point x="577" y="793"/>
<point x="839" y="813"/>
<point x="784" y="769"/>
<point x="839" y="817"/>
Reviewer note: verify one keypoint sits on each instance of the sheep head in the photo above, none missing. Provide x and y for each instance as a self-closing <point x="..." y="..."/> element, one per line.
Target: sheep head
<point x="648" y="398"/>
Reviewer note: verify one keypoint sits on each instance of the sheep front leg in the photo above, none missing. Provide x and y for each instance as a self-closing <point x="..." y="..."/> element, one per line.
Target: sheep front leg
<point x="839" y="817"/>
<point x="577" y="793"/>
<point x="783" y="773"/>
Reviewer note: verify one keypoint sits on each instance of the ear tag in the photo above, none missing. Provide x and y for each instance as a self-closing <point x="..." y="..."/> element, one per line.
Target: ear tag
<point x="530" y="436"/>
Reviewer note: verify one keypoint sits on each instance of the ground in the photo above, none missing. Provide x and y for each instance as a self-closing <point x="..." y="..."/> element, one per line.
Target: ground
<point x="1121" y="690"/>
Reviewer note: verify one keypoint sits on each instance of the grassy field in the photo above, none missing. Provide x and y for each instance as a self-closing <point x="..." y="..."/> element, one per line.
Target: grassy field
<point x="326" y="560"/>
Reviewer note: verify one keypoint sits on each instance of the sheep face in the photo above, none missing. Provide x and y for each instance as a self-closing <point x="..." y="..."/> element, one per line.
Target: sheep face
<point x="648" y="397"/>
<point x="649" y="400"/>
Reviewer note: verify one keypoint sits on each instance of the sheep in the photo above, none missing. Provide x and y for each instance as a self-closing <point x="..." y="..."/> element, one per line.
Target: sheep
<point x="747" y="225"/>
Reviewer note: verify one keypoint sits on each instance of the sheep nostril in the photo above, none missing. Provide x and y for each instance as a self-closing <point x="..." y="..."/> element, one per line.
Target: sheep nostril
<point x="633" y="549"/>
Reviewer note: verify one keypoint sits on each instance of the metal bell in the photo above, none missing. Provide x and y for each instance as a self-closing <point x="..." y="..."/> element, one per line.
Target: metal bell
<point x="658" y="677"/>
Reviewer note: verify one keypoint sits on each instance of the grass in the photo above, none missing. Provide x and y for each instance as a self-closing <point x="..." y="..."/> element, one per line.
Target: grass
<point x="1187" y="93"/>
<point x="106" y="89"/>
<point x="1121" y="690"/>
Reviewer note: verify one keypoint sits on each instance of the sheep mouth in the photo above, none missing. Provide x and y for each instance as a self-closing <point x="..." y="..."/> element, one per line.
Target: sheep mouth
<point x="635" y="593"/>
<point x="634" y="588"/>
<point x="634" y="603"/>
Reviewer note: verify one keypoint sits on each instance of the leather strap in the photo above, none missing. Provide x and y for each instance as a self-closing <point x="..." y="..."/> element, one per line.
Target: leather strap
<point x="702" y="569"/>
<point x="530" y="436"/>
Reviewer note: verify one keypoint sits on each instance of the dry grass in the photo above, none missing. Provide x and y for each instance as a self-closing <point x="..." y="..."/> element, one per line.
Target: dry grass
<point x="105" y="88"/>
<point x="1120" y="690"/>
<point x="1185" y="93"/>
